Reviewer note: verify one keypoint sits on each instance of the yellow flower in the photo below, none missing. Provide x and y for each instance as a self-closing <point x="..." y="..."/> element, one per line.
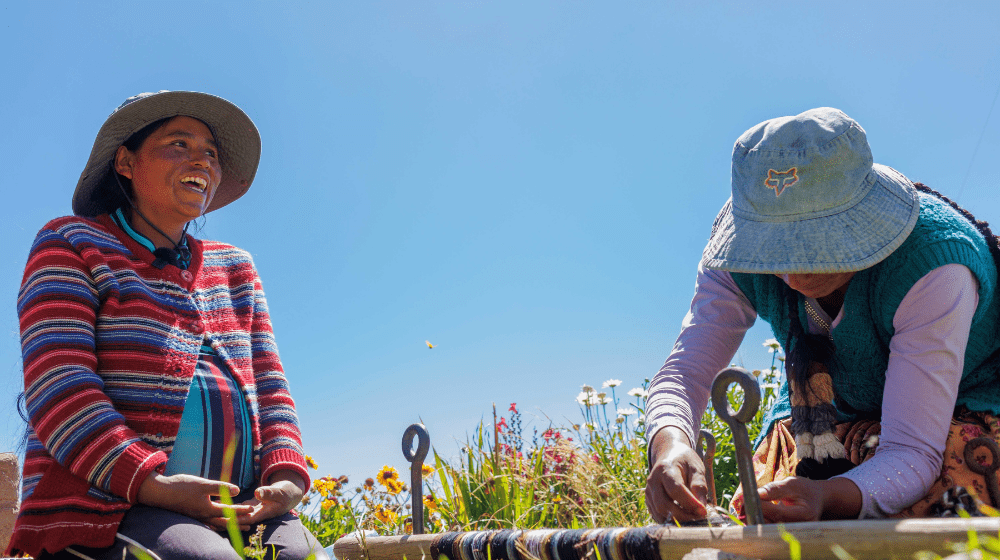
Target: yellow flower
<point x="384" y="515"/>
<point x="328" y="503"/>
<point x="386" y="474"/>
<point x="310" y="463"/>
<point x="393" y="486"/>
<point x="426" y="470"/>
<point x="430" y="503"/>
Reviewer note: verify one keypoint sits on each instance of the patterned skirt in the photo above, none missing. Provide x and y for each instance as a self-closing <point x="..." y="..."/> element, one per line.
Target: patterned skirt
<point x="775" y="458"/>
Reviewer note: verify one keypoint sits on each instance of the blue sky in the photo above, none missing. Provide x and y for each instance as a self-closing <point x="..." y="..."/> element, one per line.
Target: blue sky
<point x="528" y="185"/>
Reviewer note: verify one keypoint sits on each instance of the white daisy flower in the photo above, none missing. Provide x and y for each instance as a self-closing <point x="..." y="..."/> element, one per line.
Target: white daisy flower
<point x="611" y="383"/>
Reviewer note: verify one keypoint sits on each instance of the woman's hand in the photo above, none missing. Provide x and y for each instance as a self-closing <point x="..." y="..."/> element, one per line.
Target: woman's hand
<point x="675" y="487"/>
<point x="284" y="493"/>
<point x="800" y="499"/>
<point x="190" y="495"/>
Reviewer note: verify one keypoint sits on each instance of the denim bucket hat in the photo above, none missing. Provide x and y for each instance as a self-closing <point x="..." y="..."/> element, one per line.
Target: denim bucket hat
<point x="234" y="132"/>
<point x="806" y="198"/>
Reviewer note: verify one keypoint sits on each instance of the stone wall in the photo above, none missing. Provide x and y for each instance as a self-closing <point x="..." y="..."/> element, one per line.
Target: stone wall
<point x="10" y="475"/>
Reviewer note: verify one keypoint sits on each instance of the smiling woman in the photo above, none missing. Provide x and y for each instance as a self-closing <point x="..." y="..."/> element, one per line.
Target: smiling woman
<point x="152" y="379"/>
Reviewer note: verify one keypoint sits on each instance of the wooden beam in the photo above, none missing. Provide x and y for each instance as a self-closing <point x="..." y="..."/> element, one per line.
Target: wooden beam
<point x="864" y="540"/>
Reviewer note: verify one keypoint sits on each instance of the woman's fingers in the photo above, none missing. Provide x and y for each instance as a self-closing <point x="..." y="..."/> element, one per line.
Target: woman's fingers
<point x="792" y="499"/>
<point x="676" y="489"/>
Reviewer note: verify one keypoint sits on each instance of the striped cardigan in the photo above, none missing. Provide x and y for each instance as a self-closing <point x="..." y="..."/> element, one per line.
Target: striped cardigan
<point x="110" y="344"/>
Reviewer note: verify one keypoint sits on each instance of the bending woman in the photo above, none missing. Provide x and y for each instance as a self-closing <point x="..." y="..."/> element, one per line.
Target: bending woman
<point x="884" y="294"/>
<point x="151" y="373"/>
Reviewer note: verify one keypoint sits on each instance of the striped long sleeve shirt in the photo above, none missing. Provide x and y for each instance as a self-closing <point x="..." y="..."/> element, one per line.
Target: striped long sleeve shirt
<point x="110" y="344"/>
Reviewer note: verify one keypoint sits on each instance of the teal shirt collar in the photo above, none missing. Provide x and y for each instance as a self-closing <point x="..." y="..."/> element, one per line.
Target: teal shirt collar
<point x="119" y="218"/>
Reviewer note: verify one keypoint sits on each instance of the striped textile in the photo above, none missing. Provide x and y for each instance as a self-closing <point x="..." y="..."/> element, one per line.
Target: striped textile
<point x="215" y="414"/>
<point x="110" y="345"/>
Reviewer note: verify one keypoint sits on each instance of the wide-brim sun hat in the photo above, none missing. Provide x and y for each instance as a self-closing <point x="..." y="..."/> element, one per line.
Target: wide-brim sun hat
<point x="235" y="134"/>
<point x="807" y="198"/>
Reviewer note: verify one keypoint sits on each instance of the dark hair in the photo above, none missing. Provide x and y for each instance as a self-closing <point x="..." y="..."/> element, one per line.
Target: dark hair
<point x="109" y="195"/>
<point x="803" y="347"/>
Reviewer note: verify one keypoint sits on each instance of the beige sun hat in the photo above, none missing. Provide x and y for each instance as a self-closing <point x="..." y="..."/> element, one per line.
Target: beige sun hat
<point x="234" y="132"/>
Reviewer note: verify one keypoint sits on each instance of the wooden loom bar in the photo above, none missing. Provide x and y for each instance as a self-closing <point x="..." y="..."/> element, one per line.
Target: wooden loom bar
<point x="864" y="540"/>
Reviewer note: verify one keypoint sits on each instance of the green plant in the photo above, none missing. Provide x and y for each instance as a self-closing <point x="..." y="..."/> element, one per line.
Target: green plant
<point x="587" y="474"/>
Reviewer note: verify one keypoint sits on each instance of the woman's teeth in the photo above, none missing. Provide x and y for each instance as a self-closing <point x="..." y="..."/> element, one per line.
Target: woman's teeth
<point x="198" y="182"/>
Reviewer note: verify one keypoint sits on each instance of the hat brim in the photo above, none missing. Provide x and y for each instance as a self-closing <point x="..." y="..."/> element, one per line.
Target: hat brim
<point x="851" y="240"/>
<point x="237" y="138"/>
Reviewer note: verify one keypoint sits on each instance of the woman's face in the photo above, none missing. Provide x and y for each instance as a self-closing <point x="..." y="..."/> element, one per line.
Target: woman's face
<point x="816" y="285"/>
<point x="175" y="171"/>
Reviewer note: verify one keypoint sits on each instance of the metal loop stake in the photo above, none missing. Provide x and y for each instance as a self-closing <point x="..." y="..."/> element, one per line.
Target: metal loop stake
<point x="416" y="460"/>
<point x="737" y="421"/>
<point x="989" y="472"/>
<point x="706" y="450"/>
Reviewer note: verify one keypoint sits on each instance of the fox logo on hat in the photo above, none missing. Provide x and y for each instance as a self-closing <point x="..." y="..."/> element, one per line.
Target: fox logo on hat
<point x="779" y="181"/>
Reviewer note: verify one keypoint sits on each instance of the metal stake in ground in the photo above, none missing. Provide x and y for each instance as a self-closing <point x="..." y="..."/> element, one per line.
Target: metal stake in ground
<point x="707" y="454"/>
<point x="989" y="471"/>
<point x="416" y="460"/>
<point x="737" y="421"/>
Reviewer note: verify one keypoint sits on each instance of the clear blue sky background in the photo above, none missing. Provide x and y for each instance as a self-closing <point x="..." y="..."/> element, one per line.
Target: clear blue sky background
<point x="528" y="185"/>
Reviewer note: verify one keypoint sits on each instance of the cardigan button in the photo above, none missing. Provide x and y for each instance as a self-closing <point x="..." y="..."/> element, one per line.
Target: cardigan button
<point x="187" y="276"/>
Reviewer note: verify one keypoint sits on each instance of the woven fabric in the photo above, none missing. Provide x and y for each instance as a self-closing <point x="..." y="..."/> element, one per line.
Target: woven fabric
<point x="90" y="297"/>
<point x="775" y="458"/>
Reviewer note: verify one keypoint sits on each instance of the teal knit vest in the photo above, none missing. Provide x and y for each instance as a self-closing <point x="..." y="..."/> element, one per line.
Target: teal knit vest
<point x="941" y="236"/>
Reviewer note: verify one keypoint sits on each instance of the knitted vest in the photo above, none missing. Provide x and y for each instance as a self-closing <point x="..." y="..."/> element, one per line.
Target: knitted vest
<point x="941" y="236"/>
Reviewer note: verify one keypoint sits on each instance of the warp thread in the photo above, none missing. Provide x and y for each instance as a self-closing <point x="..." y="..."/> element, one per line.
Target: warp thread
<point x="468" y="546"/>
<point x="565" y="547"/>
<point x="640" y="544"/>
<point x="498" y="542"/>
<point x="588" y="541"/>
<point x="441" y="546"/>
<point x="459" y="547"/>
<point x="531" y="544"/>
<point x="614" y="543"/>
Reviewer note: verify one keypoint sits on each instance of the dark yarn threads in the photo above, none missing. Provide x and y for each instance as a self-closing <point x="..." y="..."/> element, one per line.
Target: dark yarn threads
<point x="498" y="543"/>
<point x="442" y="546"/>
<point x="585" y="546"/>
<point x="641" y="544"/>
<point x="565" y="547"/>
<point x="815" y="419"/>
<point x="457" y="548"/>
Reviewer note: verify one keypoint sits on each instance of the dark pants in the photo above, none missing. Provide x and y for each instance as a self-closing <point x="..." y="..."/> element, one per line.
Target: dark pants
<point x="173" y="536"/>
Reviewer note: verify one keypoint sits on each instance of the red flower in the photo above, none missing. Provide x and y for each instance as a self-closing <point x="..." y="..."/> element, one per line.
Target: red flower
<point x="502" y="424"/>
<point x="513" y="408"/>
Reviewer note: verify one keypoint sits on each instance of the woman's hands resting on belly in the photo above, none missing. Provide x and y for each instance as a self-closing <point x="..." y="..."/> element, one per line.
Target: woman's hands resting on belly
<point x="284" y="493"/>
<point x="192" y="496"/>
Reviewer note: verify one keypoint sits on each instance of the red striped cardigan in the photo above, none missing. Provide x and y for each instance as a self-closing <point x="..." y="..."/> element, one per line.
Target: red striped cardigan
<point x="110" y="344"/>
